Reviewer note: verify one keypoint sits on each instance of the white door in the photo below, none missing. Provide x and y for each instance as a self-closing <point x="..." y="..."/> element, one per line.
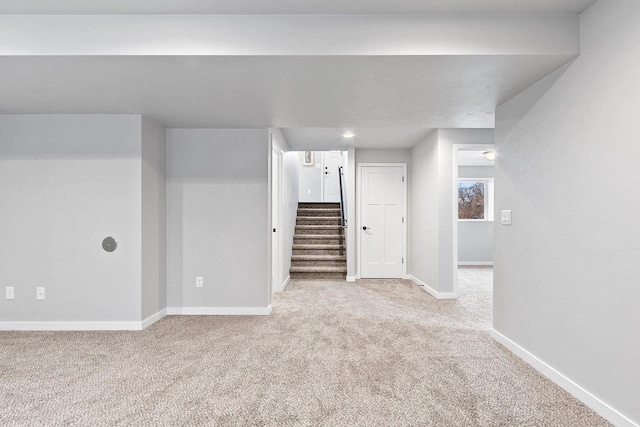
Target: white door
<point x="332" y="161"/>
<point x="382" y="228"/>
<point x="276" y="263"/>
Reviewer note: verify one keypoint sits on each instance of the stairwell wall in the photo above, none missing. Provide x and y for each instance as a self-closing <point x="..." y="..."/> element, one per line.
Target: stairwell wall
<point x="290" y="194"/>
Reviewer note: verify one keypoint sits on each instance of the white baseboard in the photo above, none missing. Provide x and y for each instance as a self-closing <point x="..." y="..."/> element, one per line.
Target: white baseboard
<point x="83" y="326"/>
<point x="592" y="401"/>
<point x="220" y="311"/>
<point x="153" y="318"/>
<point x="70" y="326"/>
<point x="433" y="292"/>
<point x="475" y="263"/>
<point x="351" y="278"/>
<point x="286" y="283"/>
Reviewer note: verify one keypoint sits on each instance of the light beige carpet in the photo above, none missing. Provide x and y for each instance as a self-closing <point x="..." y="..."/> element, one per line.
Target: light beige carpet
<point x="375" y="353"/>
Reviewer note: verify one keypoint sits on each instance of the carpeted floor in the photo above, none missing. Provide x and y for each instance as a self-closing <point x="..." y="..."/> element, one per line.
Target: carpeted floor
<point x="374" y="353"/>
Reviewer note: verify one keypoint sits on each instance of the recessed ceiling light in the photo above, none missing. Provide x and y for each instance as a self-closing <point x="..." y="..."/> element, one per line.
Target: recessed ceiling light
<point x="348" y="135"/>
<point x="490" y="155"/>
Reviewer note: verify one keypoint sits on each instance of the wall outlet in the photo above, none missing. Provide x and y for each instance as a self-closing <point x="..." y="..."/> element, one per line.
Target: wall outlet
<point x="9" y="292"/>
<point x="40" y="293"/>
<point x="199" y="282"/>
<point x="309" y="191"/>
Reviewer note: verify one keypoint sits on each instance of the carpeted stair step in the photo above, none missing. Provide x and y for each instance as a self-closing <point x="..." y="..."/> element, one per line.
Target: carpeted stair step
<point x="318" y="272"/>
<point x="318" y="220"/>
<point x="318" y="239"/>
<point x="318" y="260"/>
<point x="319" y="205"/>
<point x="306" y="249"/>
<point x="319" y="229"/>
<point x="319" y="212"/>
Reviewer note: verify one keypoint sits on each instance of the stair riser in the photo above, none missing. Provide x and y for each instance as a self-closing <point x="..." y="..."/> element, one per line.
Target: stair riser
<point x="319" y="276"/>
<point x="319" y="252"/>
<point x="324" y="221"/>
<point x="316" y="263"/>
<point x="331" y="232"/>
<point x="319" y="212"/>
<point x="330" y="240"/>
<point x="319" y="205"/>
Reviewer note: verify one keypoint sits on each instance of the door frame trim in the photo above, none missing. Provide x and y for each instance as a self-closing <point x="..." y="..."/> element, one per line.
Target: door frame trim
<point x="276" y="175"/>
<point x="404" y="213"/>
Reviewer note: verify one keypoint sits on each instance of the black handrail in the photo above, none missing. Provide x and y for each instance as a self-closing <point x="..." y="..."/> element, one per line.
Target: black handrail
<point x="342" y="214"/>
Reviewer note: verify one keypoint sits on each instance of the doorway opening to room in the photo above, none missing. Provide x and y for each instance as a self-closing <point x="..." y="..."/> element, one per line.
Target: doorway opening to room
<point x="474" y="167"/>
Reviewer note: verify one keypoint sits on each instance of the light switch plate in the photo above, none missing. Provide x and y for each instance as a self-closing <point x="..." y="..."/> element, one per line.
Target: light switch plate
<point x="9" y="292"/>
<point x="506" y="217"/>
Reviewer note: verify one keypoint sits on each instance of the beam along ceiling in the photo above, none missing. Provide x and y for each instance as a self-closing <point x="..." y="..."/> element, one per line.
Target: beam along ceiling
<point x="258" y="92"/>
<point x="294" y="6"/>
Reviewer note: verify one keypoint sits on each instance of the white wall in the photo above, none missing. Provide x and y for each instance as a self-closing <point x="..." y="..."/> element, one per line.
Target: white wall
<point x="154" y="218"/>
<point x="566" y="272"/>
<point x="69" y="181"/>
<point x="218" y="217"/>
<point x="424" y="217"/>
<point x="310" y="178"/>
<point x="475" y="238"/>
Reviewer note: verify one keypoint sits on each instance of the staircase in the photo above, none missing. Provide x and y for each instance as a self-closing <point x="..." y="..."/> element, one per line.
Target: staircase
<point x="318" y="243"/>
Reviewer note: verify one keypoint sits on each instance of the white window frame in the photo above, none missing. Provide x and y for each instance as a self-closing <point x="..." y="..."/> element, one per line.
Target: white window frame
<point x="488" y="199"/>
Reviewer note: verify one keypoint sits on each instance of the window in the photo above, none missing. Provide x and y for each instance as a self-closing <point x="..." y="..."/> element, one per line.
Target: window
<point x="475" y="199"/>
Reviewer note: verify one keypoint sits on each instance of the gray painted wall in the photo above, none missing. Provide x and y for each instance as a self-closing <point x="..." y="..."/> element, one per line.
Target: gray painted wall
<point x="154" y="218"/>
<point x="310" y="178"/>
<point x="424" y="218"/>
<point x="218" y="217"/>
<point x="475" y="238"/>
<point x="68" y="182"/>
<point x="566" y="272"/>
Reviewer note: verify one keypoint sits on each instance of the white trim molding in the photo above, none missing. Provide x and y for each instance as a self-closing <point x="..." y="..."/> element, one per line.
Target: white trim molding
<point x="598" y="405"/>
<point x="70" y="326"/>
<point x="286" y="283"/>
<point x="475" y="263"/>
<point x="220" y="311"/>
<point x="429" y="289"/>
<point x="83" y="326"/>
<point x="153" y="318"/>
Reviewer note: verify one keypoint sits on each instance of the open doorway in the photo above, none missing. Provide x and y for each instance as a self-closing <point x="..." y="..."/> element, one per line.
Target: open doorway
<point x="474" y="189"/>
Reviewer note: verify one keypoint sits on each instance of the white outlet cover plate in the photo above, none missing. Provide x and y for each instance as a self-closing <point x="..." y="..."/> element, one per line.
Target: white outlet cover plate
<point x="40" y="293"/>
<point x="506" y="217"/>
<point x="9" y="292"/>
<point x="199" y="282"/>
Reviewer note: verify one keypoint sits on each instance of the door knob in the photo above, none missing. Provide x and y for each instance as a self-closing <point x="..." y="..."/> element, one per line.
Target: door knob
<point x="365" y="228"/>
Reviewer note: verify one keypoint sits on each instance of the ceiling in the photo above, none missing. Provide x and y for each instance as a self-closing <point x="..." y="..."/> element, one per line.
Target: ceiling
<point x="322" y="139"/>
<point x="275" y="91"/>
<point x="294" y="6"/>
<point x="473" y="158"/>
